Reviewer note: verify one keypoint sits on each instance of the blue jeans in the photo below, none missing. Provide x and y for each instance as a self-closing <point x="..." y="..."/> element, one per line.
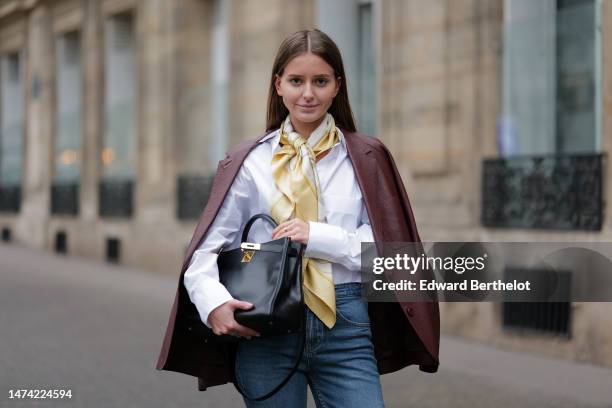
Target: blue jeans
<point x="338" y="364"/>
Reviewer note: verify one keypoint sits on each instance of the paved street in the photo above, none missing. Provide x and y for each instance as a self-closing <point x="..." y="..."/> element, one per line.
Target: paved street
<point x="69" y="323"/>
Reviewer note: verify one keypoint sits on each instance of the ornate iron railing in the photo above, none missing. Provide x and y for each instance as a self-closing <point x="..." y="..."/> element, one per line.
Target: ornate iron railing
<point x="116" y="198"/>
<point x="65" y="198"/>
<point x="543" y="317"/>
<point x="545" y="192"/>
<point x="10" y="198"/>
<point x="192" y="193"/>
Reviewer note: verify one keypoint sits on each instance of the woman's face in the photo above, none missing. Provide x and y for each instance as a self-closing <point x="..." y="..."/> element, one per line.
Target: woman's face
<point x="308" y="88"/>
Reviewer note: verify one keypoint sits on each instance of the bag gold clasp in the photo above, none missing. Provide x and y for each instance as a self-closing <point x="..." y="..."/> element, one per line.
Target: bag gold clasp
<point x="248" y="250"/>
<point x="250" y="245"/>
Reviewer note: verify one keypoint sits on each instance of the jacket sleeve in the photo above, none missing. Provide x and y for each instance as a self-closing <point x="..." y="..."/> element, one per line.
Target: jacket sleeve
<point x="401" y="189"/>
<point x="201" y="278"/>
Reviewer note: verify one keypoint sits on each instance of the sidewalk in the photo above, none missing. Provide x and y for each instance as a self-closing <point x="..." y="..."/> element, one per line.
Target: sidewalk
<point x="97" y="329"/>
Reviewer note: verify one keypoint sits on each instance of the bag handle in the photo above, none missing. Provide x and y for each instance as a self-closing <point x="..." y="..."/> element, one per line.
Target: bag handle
<point x="277" y="388"/>
<point x="287" y="378"/>
<point x="249" y="224"/>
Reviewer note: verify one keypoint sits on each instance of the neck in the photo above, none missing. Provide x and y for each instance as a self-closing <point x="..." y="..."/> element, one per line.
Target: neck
<point x="306" y="129"/>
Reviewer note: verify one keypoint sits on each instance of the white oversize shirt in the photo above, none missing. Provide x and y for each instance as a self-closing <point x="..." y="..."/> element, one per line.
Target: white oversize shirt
<point x="337" y="241"/>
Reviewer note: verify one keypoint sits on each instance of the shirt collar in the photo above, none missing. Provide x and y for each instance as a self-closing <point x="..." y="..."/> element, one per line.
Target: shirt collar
<point x="274" y="138"/>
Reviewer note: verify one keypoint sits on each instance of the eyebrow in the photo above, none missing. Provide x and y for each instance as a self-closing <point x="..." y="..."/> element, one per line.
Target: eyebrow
<point x="316" y="76"/>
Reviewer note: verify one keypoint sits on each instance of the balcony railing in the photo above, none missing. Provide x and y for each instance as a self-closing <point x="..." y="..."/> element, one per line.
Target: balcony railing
<point x="65" y="198"/>
<point x="561" y="192"/>
<point x="10" y="198"/>
<point x="192" y="193"/>
<point x="116" y="198"/>
<point x="543" y="317"/>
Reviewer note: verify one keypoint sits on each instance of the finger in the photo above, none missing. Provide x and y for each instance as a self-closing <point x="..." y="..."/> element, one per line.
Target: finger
<point x="276" y="230"/>
<point x="290" y="223"/>
<point x="222" y="331"/>
<point x="289" y="234"/>
<point x="278" y="234"/>
<point x="280" y="226"/>
<point x="245" y="331"/>
<point x="283" y="231"/>
<point x="241" y="304"/>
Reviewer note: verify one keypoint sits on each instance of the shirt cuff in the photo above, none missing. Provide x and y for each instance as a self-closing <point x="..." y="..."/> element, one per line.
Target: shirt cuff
<point x="324" y="241"/>
<point x="210" y="294"/>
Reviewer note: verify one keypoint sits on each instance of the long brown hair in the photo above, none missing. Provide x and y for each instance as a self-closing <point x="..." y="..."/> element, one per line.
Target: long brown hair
<point x="318" y="43"/>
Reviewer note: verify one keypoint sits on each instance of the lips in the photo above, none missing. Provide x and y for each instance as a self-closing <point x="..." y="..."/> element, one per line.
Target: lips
<point x="308" y="106"/>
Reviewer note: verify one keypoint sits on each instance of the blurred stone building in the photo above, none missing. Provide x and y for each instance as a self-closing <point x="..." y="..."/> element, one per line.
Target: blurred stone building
<point x="114" y="114"/>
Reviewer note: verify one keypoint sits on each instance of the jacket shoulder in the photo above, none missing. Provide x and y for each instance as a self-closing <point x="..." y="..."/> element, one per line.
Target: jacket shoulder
<point x="366" y="140"/>
<point x="244" y="146"/>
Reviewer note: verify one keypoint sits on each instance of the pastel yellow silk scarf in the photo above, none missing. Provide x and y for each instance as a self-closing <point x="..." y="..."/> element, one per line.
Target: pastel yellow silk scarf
<point x="299" y="195"/>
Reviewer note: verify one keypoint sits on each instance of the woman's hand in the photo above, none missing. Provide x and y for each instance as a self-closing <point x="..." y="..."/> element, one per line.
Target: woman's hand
<point x="222" y="321"/>
<point x="295" y="229"/>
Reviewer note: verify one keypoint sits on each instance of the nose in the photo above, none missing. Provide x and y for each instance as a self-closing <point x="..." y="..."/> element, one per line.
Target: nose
<point x="308" y="95"/>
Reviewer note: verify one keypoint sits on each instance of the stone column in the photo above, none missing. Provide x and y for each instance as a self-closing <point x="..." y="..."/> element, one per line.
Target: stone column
<point x="192" y="136"/>
<point x="155" y="184"/>
<point x="38" y="82"/>
<point x="254" y="40"/>
<point x="93" y="66"/>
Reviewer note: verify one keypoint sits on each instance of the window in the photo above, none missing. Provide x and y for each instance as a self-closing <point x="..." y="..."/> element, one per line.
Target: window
<point x="576" y="77"/>
<point x="351" y="24"/>
<point x="219" y="79"/>
<point x="67" y="143"/>
<point x="11" y="119"/>
<point x="11" y="131"/>
<point x="119" y="144"/>
<point x="366" y="92"/>
<point x="118" y="155"/>
<point x="67" y="120"/>
<point x="551" y="77"/>
<point x="550" y="121"/>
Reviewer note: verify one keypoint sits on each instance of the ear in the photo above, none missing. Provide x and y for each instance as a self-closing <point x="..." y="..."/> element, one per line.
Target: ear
<point x="277" y="83"/>
<point x="338" y="82"/>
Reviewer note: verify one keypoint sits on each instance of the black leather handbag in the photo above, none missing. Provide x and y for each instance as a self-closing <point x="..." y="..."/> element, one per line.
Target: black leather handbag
<point x="268" y="275"/>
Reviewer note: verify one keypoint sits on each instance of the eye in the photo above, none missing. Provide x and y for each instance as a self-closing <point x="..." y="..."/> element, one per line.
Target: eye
<point x="295" y="81"/>
<point x="321" y="81"/>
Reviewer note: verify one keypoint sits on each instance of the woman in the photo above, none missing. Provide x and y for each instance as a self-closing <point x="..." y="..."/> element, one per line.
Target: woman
<point x="330" y="189"/>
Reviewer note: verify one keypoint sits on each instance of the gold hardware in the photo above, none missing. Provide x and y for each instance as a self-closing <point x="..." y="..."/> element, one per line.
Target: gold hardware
<point x="247" y="256"/>
<point x="248" y="249"/>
